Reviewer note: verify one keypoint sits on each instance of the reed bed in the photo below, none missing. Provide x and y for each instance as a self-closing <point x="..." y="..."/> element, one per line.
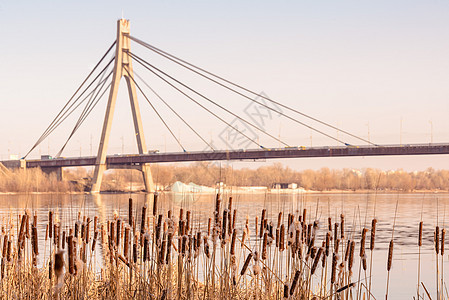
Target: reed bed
<point x="157" y="254"/>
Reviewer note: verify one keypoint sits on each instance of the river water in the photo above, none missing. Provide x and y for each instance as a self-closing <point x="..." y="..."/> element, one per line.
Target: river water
<point x="358" y="209"/>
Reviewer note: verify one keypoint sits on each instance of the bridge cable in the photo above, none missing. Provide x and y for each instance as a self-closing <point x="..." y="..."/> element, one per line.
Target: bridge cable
<point x="56" y="121"/>
<point x="211" y="101"/>
<point x="185" y="64"/>
<point x="155" y="110"/>
<point x="73" y="110"/>
<point x="72" y="106"/>
<point x="182" y="119"/>
<point x="199" y="104"/>
<point x="88" y="108"/>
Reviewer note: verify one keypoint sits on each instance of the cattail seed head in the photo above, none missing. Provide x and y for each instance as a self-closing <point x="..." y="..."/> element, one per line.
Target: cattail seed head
<point x="373" y="233"/>
<point x="437" y="239"/>
<point x="443" y="235"/>
<point x="316" y="261"/>
<point x="420" y="234"/>
<point x="390" y="255"/>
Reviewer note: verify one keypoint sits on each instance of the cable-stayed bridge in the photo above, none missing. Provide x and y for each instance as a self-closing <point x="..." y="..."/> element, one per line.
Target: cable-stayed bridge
<point x="105" y="78"/>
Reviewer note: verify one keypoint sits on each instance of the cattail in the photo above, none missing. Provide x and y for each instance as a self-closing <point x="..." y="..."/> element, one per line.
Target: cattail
<point x="145" y="248"/>
<point x="351" y="257"/>
<point x="71" y="255"/>
<point x="334" y="267"/>
<point x="362" y="242"/>
<point x="329" y="223"/>
<point x="342" y="226"/>
<point x="256" y="225"/>
<point x="390" y="255"/>
<point x="130" y="211"/>
<point x="135" y="252"/>
<point x="217" y="209"/>
<point x="94" y="241"/>
<point x="345" y="287"/>
<point x="209" y="226"/>
<point x="234" y="216"/>
<point x="206" y="248"/>
<point x="264" y="211"/>
<point x="88" y="230"/>
<point x="184" y="245"/>
<point x="198" y="240"/>
<point x="316" y="261"/>
<point x="155" y="198"/>
<point x="420" y="234"/>
<point x="126" y="245"/>
<point x="223" y="232"/>
<point x="348" y="247"/>
<point x="77" y="226"/>
<point x="234" y="235"/>
<point x="297" y="239"/>
<point x="162" y="252"/>
<point x="34" y="241"/>
<point x="188" y="222"/>
<point x="112" y="233"/>
<point x="63" y="239"/>
<point x="327" y="244"/>
<point x="335" y="231"/>
<point x="336" y="245"/>
<point x="243" y="238"/>
<point x="59" y="264"/>
<point x="246" y="264"/>
<point x="144" y="216"/>
<point x="50" y="224"/>
<point x="304" y="214"/>
<point x="373" y="233"/>
<point x="285" y="291"/>
<point x="437" y="239"/>
<point x="443" y="235"/>
<point x="294" y="282"/>
<point x="158" y="228"/>
<point x="5" y="245"/>
<point x="279" y="219"/>
<point x="281" y="240"/>
<point x="264" y="247"/>
<point x="8" y="252"/>
<point x="364" y="262"/>
<point x="169" y="241"/>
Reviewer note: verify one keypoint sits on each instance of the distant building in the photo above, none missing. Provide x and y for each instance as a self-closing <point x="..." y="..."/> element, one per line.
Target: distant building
<point x="282" y="185"/>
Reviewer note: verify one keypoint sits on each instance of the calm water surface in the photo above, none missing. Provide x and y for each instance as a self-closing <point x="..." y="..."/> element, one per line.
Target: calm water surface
<point x="358" y="209"/>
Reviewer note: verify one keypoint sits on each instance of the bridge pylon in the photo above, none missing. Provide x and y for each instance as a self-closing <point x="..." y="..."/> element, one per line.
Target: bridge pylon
<point x="122" y="68"/>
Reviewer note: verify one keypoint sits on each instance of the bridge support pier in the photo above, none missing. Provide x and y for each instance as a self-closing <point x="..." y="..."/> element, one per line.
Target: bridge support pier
<point x="122" y="68"/>
<point x="54" y="170"/>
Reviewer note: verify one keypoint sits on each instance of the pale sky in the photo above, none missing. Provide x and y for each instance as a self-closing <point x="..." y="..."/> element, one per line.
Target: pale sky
<point x="370" y="68"/>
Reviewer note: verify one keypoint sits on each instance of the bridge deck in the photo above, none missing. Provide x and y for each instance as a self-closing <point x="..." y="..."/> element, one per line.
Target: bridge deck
<point x="293" y="152"/>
